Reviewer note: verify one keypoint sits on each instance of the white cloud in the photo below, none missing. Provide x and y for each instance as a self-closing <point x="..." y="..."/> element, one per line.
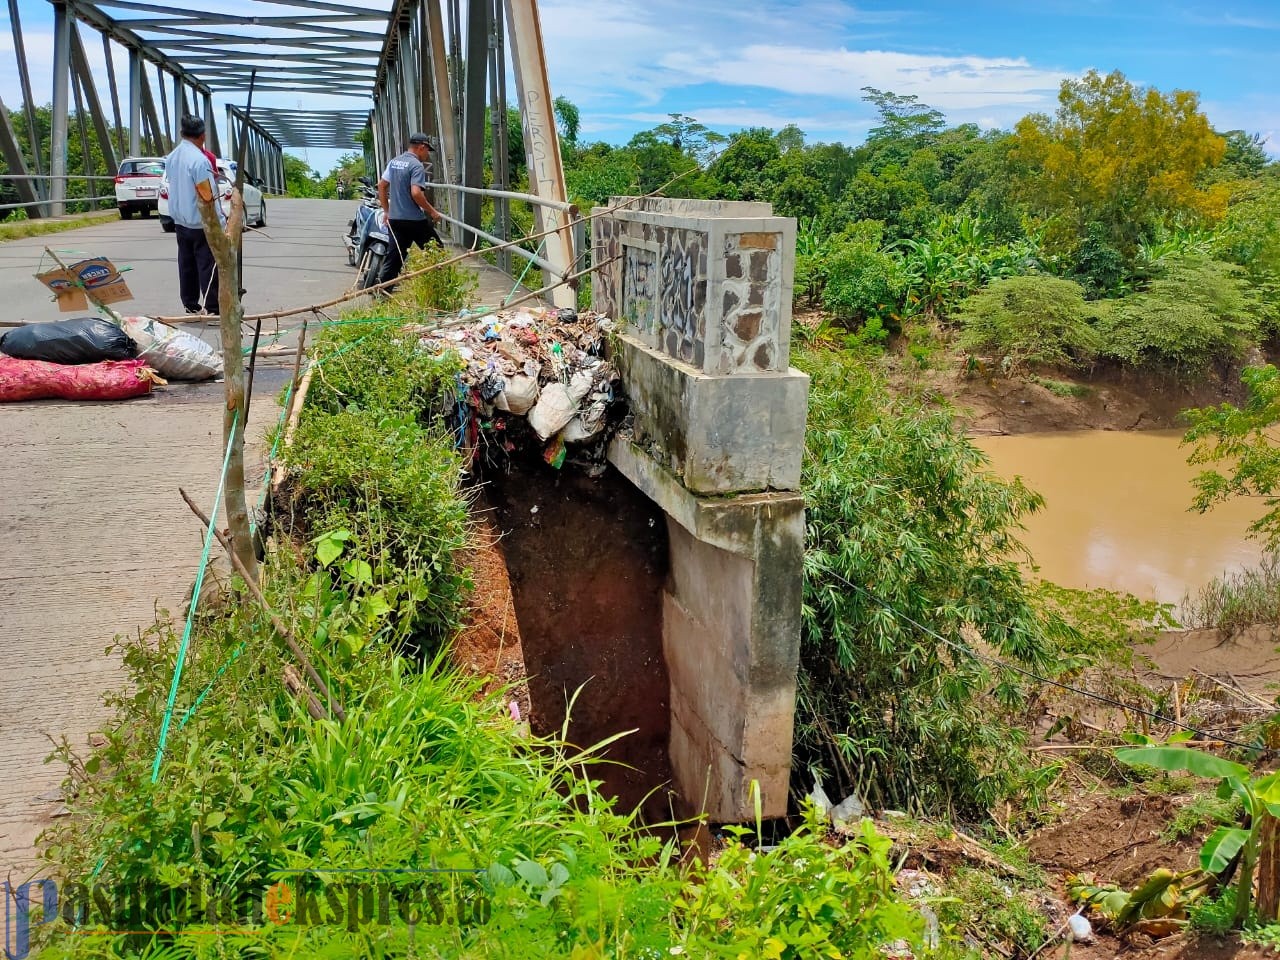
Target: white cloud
<point x="738" y="117"/>
<point x="948" y="83"/>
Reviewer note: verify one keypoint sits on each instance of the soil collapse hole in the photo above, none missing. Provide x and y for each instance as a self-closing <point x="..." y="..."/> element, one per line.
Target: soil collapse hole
<point x="587" y="560"/>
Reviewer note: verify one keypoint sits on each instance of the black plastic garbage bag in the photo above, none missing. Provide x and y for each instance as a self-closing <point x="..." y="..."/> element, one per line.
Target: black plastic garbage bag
<point x="82" y="340"/>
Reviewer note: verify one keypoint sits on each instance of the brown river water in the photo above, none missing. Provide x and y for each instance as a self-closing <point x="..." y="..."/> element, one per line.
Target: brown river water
<point x="1116" y="512"/>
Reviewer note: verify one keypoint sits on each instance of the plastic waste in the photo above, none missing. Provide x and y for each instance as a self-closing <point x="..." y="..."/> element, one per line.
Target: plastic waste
<point x="820" y="799"/>
<point x="1080" y="927"/>
<point x="850" y="808"/>
<point x="580" y="386"/>
<point x="553" y="411"/>
<point x="518" y="396"/>
<point x="579" y="431"/>
<point x="174" y="353"/>
<point x="41" y="380"/>
<point x="79" y="340"/>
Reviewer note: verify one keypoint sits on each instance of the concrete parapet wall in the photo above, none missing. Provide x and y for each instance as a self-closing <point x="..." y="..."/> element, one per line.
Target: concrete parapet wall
<point x="708" y="283"/>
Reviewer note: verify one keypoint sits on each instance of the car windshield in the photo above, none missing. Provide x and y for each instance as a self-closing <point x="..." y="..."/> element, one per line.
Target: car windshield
<point x="142" y="168"/>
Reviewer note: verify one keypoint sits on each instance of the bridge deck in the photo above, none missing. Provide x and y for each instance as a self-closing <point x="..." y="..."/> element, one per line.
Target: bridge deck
<point x="93" y="534"/>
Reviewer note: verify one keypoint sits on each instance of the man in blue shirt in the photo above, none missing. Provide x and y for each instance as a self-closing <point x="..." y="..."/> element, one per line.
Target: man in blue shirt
<point x="187" y="166"/>
<point x="410" y="216"/>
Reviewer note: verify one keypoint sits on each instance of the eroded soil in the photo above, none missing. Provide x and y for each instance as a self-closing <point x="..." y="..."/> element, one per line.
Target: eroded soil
<point x="586" y="560"/>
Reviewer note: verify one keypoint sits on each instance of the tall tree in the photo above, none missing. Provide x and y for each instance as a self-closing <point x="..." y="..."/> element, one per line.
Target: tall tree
<point x="1124" y="157"/>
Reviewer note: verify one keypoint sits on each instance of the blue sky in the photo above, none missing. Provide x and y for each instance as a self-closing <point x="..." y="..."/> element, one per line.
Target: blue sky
<point x="989" y="61"/>
<point x="735" y="63"/>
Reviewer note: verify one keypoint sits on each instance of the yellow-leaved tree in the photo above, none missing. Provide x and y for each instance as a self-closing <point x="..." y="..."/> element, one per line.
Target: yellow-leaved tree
<point x="1116" y="162"/>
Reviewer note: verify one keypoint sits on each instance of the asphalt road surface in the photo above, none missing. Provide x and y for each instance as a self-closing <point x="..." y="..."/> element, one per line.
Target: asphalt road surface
<point x="296" y="260"/>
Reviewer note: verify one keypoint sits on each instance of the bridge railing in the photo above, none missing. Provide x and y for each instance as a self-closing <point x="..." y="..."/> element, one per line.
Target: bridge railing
<point x="45" y="179"/>
<point x="574" y="224"/>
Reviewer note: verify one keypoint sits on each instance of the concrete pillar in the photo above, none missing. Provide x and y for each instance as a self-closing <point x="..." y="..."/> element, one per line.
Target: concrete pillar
<point x="717" y="442"/>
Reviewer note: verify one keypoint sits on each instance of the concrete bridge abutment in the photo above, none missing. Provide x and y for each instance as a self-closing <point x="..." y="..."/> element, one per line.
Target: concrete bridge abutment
<point x="702" y="294"/>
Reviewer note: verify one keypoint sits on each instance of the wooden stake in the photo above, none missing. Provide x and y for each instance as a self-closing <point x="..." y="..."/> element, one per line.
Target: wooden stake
<point x="277" y="625"/>
<point x="291" y="424"/>
<point x="225" y="243"/>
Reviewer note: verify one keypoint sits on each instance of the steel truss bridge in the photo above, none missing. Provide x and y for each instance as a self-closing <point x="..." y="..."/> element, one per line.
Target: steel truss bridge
<point x="365" y="74"/>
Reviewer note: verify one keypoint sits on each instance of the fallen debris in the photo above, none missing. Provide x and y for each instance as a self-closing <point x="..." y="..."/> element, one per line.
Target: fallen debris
<point x="538" y="363"/>
<point x="174" y="353"/>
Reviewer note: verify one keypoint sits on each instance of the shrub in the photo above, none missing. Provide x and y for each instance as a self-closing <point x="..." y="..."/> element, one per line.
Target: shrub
<point x="394" y="488"/>
<point x="901" y="506"/>
<point x="862" y="281"/>
<point x="1036" y="320"/>
<point x="377" y="366"/>
<point x="1236" y="600"/>
<point x="803" y="898"/>
<point x="444" y="290"/>
<point x="1198" y="312"/>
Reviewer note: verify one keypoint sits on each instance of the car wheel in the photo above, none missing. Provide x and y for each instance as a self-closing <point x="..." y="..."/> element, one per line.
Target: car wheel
<point x="166" y="225"/>
<point x="126" y="214"/>
<point x="372" y="270"/>
<point x="262" y="214"/>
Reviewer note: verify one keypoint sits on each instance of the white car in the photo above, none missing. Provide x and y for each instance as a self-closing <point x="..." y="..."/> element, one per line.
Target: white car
<point x="138" y="185"/>
<point x="255" y="207"/>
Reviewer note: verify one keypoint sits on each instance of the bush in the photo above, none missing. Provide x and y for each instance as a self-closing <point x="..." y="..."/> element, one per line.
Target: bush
<point x="862" y="281"/>
<point x="1236" y="600"/>
<point x="444" y="290"/>
<point x="1198" y="312"/>
<point x="901" y="506"/>
<point x="377" y="366"/>
<point x="1036" y="320"/>
<point x="393" y="487"/>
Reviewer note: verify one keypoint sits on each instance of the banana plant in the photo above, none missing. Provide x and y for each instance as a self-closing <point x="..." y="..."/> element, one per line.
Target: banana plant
<point x="1259" y="795"/>
<point x="1156" y="907"/>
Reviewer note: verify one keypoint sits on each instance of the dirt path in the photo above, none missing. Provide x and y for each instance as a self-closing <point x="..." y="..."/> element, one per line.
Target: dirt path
<point x="93" y="538"/>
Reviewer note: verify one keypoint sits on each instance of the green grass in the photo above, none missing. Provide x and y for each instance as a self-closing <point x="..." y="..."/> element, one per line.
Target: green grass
<point x="1238" y="600"/>
<point x="20" y="229"/>
<point x="1204" y="810"/>
<point x="1061" y="388"/>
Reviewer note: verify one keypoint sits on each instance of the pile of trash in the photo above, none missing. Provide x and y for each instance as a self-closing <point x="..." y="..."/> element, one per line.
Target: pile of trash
<point x="89" y="358"/>
<point x="540" y="365"/>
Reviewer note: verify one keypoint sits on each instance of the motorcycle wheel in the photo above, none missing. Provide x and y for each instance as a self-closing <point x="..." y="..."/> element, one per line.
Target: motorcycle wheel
<point x="372" y="269"/>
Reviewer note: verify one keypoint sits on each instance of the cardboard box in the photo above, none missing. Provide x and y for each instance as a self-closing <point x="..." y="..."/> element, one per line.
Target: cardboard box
<point x="97" y="275"/>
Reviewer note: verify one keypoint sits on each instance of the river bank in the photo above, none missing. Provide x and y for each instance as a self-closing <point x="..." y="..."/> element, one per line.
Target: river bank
<point x="1104" y="398"/>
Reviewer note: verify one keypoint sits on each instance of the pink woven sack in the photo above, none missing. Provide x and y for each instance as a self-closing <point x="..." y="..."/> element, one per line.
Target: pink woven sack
<point x="109" y="380"/>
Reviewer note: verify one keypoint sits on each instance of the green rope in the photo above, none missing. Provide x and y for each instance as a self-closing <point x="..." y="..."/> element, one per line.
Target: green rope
<point x="195" y="599"/>
<point x="528" y="265"/>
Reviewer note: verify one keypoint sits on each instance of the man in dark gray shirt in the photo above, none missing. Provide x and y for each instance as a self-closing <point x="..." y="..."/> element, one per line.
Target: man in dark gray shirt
<point x="403" y="194"/>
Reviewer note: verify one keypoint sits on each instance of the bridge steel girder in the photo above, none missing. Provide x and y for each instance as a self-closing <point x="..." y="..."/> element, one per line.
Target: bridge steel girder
<point x="61" y="110"/>
<point x="423" y="83"/>
<point x="264" y="155"/>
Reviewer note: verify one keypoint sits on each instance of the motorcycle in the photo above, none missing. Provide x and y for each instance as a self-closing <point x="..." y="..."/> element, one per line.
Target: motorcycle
<point x="367" y="238"/>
